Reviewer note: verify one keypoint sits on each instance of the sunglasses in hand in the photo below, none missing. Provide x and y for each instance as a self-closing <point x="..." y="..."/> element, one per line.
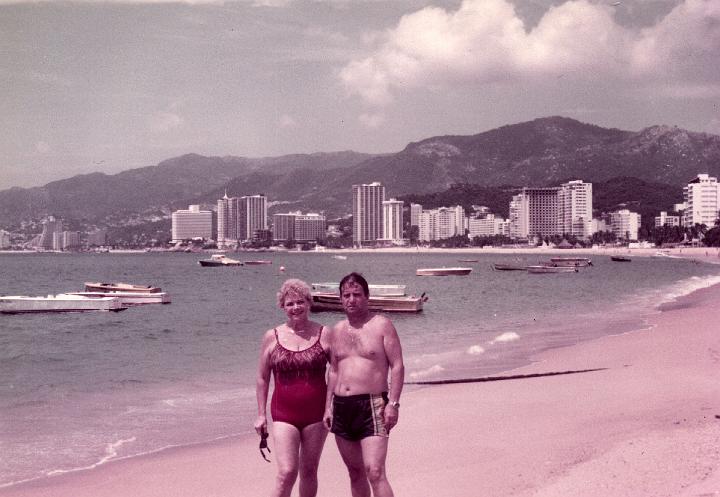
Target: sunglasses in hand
<point x="264" y="445"/>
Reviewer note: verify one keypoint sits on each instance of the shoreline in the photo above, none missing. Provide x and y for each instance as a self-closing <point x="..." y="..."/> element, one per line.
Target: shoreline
<point x="646" y="422"/>
<point x="707" y="254"/>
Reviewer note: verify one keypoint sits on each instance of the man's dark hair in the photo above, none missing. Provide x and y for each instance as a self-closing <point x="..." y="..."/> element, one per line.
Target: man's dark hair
<point x="358" y="279"/>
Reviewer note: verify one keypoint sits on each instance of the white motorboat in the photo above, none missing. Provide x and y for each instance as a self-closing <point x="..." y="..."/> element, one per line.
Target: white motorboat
<point x="375" y="290"/>
<point x="119" y="287"/>
<point x="219" y="260"/>
<point x="62" y="302"/>
<point x="130" y="298"/>
<point x="443" y="271"/>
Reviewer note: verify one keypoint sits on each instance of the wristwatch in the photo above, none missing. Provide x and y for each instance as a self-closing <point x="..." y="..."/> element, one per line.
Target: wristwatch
<point x="395" y="404"/>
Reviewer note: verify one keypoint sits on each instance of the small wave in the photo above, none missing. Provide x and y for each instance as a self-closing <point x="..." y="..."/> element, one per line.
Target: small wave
<point x="475" y="350"/>
<point x="427" y="372"/>
<point x="688" y="286"/>
<point x="508" y="336"/>
<point x="110" y="454"/>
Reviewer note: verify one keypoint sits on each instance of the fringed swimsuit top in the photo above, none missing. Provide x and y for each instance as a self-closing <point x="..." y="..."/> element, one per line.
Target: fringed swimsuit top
<point x="300" y="388"/>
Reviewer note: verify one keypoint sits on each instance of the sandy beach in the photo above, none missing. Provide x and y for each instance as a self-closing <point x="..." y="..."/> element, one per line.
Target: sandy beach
<point x="634" y="415"/>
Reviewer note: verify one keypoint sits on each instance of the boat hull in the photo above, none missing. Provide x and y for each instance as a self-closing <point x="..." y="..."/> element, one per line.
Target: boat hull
<point x="551" y="269"/>
<point x="375" y="290"/>
<point x="204" y="263"/>
<point x="332" y="302"/>
<point x="120" y="287"/>
<point x="508" y="267"/>
<point x="20" y="304"/>
<point x="569" y="262"/>
<point x="130" y="298"/>
<point x="444" y="271"/>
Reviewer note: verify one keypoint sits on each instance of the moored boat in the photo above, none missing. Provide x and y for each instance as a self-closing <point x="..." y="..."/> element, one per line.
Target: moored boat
<point x="130" y="298"/>
<point x="62" y="302"/>
<point x="551" y="269"/>
<point x="375" y="290"/>
<point x="217" y="260"/>
<point x="443" y="271"/>
<point x="120" y="287"/>
<point x="322" y="301"/>
<point x="620" y="258"/>
<point x="570" y="261"/>
<point x="508" y="267"/>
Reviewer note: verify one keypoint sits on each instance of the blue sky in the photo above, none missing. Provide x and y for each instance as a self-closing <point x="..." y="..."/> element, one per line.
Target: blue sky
<point x="114" y="85"/>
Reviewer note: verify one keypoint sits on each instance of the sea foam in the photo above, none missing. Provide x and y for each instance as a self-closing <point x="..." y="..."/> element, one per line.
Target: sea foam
<point x="508" y="336"/>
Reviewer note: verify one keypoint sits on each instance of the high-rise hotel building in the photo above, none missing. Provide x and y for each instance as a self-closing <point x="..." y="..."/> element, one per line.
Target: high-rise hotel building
<point x="191" y="223"/>
<point x="393" y="221"/>
<point x="299" y="227"/>
<point x="367" y="210"/>
<point x="239" y="218"/>
<point x="575" y="209"/>
<point x="440" y="223"/>
<point x="566" y="209"/>
<point x="51" y="226"/>
<point x="625" y="224"/>
<point x="702" y="201"/>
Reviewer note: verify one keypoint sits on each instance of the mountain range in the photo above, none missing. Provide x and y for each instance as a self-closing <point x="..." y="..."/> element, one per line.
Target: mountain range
<point x="542" y="152"/>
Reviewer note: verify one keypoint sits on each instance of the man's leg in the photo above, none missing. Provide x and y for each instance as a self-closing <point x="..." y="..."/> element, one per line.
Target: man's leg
<point x="374" y="452"/>
<point x="352" y="455"/>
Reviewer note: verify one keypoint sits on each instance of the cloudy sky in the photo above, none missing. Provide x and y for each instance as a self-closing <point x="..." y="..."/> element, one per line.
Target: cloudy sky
<point x="113" y="85"/>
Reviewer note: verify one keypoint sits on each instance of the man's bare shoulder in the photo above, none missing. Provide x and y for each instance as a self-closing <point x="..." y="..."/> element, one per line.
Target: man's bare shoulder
<point x="382" y="322"/>
<point x="339" y="326"/>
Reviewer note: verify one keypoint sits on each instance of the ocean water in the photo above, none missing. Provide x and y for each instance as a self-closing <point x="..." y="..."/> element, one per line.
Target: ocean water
<point x="79" y="390"/>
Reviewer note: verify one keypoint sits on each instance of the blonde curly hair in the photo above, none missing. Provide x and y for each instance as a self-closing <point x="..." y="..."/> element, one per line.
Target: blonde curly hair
<point x="296" y="286"/>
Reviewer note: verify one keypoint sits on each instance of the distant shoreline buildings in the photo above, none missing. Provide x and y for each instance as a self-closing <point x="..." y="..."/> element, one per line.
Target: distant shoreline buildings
<point x="535" y="214"/>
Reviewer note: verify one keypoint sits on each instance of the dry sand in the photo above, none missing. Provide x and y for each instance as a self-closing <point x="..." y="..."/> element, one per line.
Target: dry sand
<point x="645" y="424"/>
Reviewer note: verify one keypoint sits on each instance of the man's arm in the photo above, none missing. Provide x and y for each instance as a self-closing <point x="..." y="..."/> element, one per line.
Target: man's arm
<point x="331" y="378"/>
<point x="393" y="352"/>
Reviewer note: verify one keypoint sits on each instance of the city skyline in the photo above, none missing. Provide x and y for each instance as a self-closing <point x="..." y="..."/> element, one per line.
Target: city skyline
<point x="273" y="77"/>
<point x="534" y="213"/>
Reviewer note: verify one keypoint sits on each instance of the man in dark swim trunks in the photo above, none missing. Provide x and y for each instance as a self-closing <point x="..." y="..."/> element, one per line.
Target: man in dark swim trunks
<point x="361" y="409"/>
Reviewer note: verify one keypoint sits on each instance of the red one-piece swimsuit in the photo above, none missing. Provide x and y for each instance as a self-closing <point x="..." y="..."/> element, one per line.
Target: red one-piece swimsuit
<point x="300" y="387"/>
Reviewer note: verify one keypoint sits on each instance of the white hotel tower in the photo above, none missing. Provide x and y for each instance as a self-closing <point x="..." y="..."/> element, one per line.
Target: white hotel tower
<point x="393" y="221"/>
<point x="566" y="209"/>
<point x="367" y="212"/>
<point x="191" y="223"/>
<point x="240" y="217"/>
<point x="702" y="198"/>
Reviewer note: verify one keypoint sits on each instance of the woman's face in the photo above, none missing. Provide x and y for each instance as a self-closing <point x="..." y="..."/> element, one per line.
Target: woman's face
<point x="295" y="306"/>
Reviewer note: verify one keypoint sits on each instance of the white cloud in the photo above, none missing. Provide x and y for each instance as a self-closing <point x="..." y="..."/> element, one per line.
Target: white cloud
<point x="485" y="41"/>
<point x="163" y="121"/>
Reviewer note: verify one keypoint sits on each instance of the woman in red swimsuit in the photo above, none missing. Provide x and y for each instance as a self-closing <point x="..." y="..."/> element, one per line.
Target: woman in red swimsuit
<point x="296" y="354"/>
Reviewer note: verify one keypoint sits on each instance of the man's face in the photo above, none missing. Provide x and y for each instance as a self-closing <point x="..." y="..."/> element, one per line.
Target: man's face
<point x="353" y="298"/>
